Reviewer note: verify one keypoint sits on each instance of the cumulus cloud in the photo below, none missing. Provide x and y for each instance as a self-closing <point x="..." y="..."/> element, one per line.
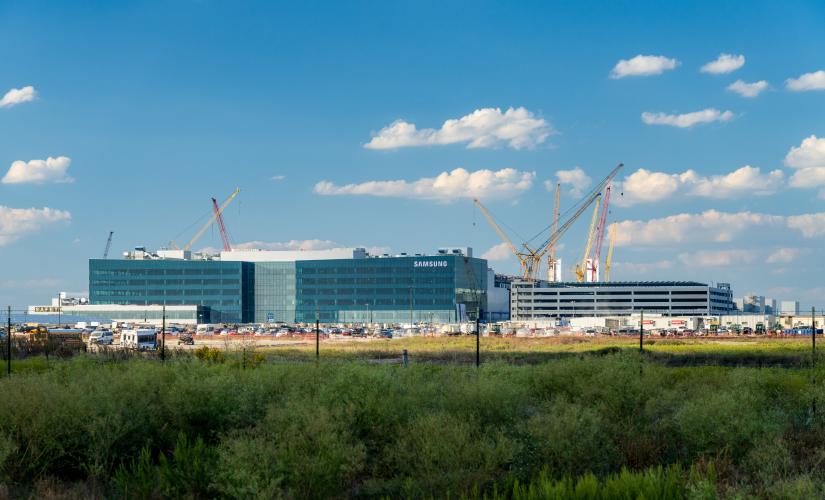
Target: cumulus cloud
<point x="17" y="96"/>
<point x="18" y="222"/>
<point x="725" y="63"/>
<point x="808" y="81"/>
<point x="810" y="225"/>
<point x="312" y="244"/>
<point x="687" y="120"/>
<point x="783" y="256"/>
<point x="644" y="186"/>
<point x="633" y="268"/>
<point x="498" y="252"/>
<point x="278" y="177"/>
<point x="809" y="161"/>
<point x="518" y="128"/>
<point x="710" y="225"/>
<point x="575" y="178"/>
<point x="39" y="171"/>
<point x="748" y="89"/>
<point x="716" y="258"/>
<point x="447" y="186"/>
<point x="643" y="66"/>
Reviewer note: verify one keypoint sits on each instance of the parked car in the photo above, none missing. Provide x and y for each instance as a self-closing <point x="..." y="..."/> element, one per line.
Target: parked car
<point x="186" y="339"/>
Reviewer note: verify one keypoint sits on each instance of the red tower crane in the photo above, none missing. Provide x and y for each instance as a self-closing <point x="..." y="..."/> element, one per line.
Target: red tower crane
<point x="225" y="237"/>
<point x="597" y="252"/>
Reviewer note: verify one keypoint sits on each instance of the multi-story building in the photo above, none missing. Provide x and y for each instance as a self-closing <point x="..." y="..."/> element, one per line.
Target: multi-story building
<point x="789" y="308"/>
<point x="543" y="300"/>
<point x="341" y="285"/>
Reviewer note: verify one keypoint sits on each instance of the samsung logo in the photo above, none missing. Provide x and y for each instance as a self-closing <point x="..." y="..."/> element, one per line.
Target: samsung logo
<point x="430" y="263"/>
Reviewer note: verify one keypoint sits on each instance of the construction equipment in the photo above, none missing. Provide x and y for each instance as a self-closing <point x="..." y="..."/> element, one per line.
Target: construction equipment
<point x="597" y="252"/>
<point x="552" y="262"/>
<point x="530" y="259"/>
<point x="609" y="258"/>
<point x="108" y="245"/>
<point x="211" y="219"/>
<point x="523" y="258"/>
<point x="577" y="209"/>
<point x="581" y="270"/>
<point x="227" y="246"/>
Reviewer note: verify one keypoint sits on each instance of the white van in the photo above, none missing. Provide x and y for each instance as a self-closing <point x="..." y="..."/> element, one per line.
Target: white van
<point x="102" y="337"/>
<point x="141" y="339"/>
<point x="205" y="329"/>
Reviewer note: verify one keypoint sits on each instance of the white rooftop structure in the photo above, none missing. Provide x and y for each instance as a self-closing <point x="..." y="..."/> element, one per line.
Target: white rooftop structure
<point x="292" y="255"/>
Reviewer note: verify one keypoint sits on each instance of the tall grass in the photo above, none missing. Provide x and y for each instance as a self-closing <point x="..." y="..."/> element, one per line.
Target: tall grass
<point x="205" y="428"/>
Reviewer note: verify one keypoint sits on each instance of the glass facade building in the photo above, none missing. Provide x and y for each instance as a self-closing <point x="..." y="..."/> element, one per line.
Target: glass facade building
<point x="226" y="288"/>
<point x="441" y="288"/>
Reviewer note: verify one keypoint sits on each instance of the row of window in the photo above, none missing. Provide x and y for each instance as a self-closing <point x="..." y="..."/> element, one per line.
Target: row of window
<point x="377" y="291"/>
<point x="375" y="302"/>
<point x="190" y="282"/>
<point x="426" y="280"/>
<point x="196" y="292"/>
<point x="365" y="270"/>
<point x="164" y="272"/>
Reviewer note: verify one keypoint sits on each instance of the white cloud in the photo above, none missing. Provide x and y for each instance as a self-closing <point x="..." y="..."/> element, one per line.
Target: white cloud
<point x="312" y="244"/>
<point x="809" y="160"/>
<point x="17" y="96"/>
<point x="717" y="258"/>
<point x="808" y="81"/>
<point x="632" y="268"/>
<point x="809" y="154"/>
<point x="278" y="177"/>
<point x="725" y="63"/>
<point x="643" y="66"/>
<point x="783" y="255"/>
<point x="483" y="128"/>
<point x="708" y="226"/>
<point x="575" y="178"/>
<point x="447" y="186"/>
<point x="748" y="89"/>
<point x="39" y="171"/>
<point x="810" y="225"/>
<point x="18" y="222"/>
<point x="644" y="186"/>
<point x="498" y="252"/>
<point x="687" y="120"/>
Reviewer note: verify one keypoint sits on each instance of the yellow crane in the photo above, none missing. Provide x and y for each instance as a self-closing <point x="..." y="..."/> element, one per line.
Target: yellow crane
<point x="212" y="219"/>
<point x="582" y="269"/>
<point x="551" y="254"/>
<point x="522" y="257"/>
<point x="609" y="258"/>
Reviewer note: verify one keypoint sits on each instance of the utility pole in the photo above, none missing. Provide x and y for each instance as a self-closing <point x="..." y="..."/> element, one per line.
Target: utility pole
<point x="8" y="344"/>
<point x="317" y="335"/>
<point x="163" y="336"/>
<point x="641" y="331"/>
<point x="813" y="337"/>
<point x="478" y="336"/>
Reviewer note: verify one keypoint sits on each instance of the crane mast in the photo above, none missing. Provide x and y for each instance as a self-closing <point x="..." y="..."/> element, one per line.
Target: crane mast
<point x="609" y="259"/>
<point x="597" y="252"/>
<point x="211" y="219"/>
<point x="552" y="263"/>
<point x="108" y="245"/>
<point x="227" y="246"/>
<point x="582" y="270"/>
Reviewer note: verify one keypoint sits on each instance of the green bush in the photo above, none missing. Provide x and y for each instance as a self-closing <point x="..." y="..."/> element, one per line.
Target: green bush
<point x="197" y="427"/>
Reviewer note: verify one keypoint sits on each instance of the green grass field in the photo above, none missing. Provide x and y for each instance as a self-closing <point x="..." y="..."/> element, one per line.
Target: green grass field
<point x="567" y="419"/>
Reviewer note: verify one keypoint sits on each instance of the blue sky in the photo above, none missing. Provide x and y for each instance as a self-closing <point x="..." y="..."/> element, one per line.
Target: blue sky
<point x="157" y="106"/>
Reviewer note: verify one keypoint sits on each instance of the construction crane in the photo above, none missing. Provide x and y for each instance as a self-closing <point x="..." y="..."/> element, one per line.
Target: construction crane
<point x="530" y="258"/>
<point x="108" y="245"/>
<point x="552" y="263"/>
<point x="211" y="219"/>
<point x="577" y="211"/>
<point x="582" y="269"/>
<point x="597" y="252"/>
<point x="227" y="246"/>
<point x="523" y="258"/>
<point x="609" y="258"/>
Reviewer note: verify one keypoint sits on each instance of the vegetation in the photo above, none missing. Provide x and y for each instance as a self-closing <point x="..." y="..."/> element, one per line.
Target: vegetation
<point x="238" y="425"/>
